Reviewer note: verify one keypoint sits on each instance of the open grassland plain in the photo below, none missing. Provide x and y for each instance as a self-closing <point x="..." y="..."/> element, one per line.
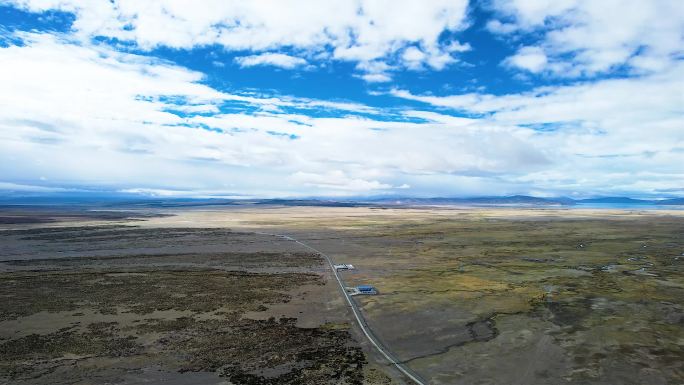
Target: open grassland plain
<point x="97" y="299"/>
<point x="467" y="296"/>
<point x="504" y="296"/>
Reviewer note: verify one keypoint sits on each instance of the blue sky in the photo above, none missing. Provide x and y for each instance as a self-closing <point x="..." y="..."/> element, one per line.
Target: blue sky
<point x="342" y="98"/>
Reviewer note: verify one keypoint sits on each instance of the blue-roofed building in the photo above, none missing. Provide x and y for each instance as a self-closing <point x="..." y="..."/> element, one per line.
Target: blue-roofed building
<point x="367" y="289"/>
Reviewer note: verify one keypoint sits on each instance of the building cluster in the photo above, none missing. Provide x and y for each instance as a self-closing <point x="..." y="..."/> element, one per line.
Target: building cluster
<point x="358" y="290"/>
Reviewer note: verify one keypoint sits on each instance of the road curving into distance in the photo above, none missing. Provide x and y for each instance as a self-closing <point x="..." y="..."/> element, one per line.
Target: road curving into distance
<point x="365" y="328"/>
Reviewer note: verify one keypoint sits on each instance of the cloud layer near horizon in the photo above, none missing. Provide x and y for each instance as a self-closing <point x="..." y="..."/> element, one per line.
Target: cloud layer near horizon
<point x="82" y="113"/>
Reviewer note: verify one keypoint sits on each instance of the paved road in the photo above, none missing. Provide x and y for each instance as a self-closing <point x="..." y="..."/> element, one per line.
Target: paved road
<point x="357" y="314"/>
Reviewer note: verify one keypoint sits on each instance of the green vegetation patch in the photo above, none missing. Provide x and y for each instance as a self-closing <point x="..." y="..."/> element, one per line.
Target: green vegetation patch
<point x="606" y="293"/>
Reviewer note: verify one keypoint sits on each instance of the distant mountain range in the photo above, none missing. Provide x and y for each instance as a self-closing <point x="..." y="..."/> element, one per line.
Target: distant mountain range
<point x="506" y="200"/>
<point x="514" y="200"/>
<point x="530" y="200"/>
<point x="631" y="201"/>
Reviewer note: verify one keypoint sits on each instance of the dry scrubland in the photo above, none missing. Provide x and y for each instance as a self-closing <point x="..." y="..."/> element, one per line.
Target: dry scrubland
<point x="468" y="296"/>
<point x="86" y="303"/>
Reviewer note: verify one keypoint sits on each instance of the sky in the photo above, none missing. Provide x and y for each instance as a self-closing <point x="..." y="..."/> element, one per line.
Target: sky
<point x="342" y="98"/>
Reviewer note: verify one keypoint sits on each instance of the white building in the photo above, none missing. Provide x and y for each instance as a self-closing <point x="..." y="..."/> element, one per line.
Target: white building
<point x="344" y="266"/>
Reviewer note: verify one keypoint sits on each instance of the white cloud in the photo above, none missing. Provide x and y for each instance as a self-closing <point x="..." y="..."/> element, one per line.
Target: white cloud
<point x="271" y="59"/>
<point x="587" y="37"/>
<point x="85" y="114"/>
<point x="65" y="103"/>
<point x="337" y="180"/>
<point x="464" y="101"/>
<point x="358" y="31"/>
<point x="620" y="134"/>
<point x="375" y="71"/>
<point x="497" y="26"/>
<point x="15" y="187"/>
<point x="455" y="46"/>
<point x="531" y="59"/>
<point x="376" y="78"/>
<point x="413" y="57"/>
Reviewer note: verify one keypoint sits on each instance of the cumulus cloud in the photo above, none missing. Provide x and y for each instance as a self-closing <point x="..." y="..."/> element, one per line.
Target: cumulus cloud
<point x="337" y="180"/>
<point x="532" y="59"/>
<point x="84" y="113"/>
<point x="414" y="57"/>
<point x="375" y="71"/>
<point x="149" y="125"/>
<point x="271" y="59"/>
<point x="357" y="31"/>
<point x="593" y="132"/>
<point x="586" y="38"/>
<point x="376" y="78"/>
